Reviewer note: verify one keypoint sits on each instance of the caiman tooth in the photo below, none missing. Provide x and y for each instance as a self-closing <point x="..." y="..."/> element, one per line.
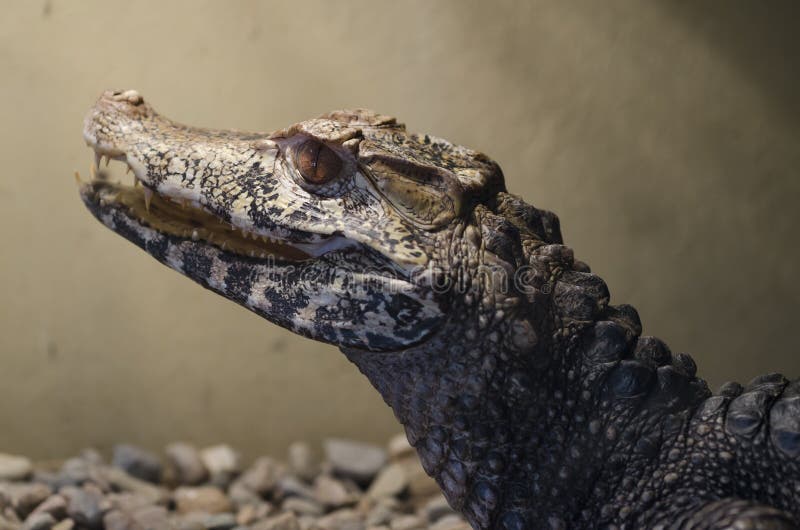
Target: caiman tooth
<point x="78" y="178"/>
<point x="97" y="159"/>
<point x="148" y="196"/>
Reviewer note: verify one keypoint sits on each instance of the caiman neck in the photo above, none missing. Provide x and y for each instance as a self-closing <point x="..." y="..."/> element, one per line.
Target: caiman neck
<point x="520" y="414"/>
<point x="458" y="398"/>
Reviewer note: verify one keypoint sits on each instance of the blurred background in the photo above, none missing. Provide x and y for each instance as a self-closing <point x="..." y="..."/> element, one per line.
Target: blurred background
<point x="665" y="134"/>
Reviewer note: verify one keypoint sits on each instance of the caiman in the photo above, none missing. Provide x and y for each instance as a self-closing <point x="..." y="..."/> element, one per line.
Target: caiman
<point x="531" y="400"/>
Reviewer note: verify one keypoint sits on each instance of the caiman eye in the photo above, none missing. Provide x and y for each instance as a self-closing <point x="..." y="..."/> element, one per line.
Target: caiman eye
<point x="317" y="162"/>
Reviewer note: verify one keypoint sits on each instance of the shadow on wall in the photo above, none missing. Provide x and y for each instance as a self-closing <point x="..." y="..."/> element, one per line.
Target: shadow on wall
<point x="760" y="38"/>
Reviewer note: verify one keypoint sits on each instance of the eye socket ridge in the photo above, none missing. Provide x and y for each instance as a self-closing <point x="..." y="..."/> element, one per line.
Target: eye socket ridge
<point x="317" y="163"/>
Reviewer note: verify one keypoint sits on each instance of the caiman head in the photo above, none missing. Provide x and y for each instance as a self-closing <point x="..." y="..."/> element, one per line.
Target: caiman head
<point x="344" y="228"/>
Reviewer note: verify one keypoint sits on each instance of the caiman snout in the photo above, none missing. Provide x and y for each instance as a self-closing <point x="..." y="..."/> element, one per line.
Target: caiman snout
<point x="121" y="103"/>
<point x="115" y="114"/>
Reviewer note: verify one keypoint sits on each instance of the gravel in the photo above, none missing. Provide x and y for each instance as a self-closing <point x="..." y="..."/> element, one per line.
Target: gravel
<point x="207" y="499"/>
<point x="333" y="493"/>
<point x="185" y="465"/>
<point x="39" y="521"/>
<point x="301" y="506"/>
<point x="355" y="460"/>
<point x="399" y="448"/>
<point x="137" y="462"/>
<point x="55" y="505"/>
<point x="14" y="467"/>
<point x="437" y="508"/>
<point x="86" y="505"/>
<point x="300" y="459"/>
<point x="262" y="476"/>
<point x="284" y="521"/>
<point x="357" y="486"/>
<point x="223" y="464"/>
<point x="23" y="497"/>
<point x="390" y="482"/>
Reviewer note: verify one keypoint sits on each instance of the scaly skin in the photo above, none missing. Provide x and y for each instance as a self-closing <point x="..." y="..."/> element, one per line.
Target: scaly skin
<point x="532" y="401"/>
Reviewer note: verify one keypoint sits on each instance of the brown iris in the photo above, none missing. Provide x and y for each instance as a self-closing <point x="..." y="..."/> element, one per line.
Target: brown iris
<point x="317" y="162"/>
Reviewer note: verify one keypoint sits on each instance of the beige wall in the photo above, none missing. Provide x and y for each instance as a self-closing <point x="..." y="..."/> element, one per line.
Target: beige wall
<point x="664" y="134"/>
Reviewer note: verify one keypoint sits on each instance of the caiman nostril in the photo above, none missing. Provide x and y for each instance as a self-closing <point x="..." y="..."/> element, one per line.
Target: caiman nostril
<point x="130" y="96"/>
<point x="133" y="97"/>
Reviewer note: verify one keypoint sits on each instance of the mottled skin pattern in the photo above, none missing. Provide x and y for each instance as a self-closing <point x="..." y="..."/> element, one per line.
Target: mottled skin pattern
<point x="532" y="401"/>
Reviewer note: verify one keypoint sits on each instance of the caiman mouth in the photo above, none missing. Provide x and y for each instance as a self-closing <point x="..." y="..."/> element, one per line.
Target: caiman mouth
<point x="182" y="220"/>
<point x="185" y="219"/>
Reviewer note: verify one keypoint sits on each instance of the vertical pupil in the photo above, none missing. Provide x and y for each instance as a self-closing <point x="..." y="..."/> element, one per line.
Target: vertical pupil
<point x="309" y="156"/>
<point x="317" y="163"/>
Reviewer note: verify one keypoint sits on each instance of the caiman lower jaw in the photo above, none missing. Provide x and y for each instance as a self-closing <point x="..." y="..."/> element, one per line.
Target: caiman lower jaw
<point x="180" y="219"/>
